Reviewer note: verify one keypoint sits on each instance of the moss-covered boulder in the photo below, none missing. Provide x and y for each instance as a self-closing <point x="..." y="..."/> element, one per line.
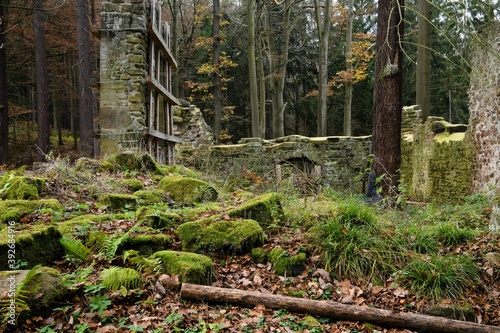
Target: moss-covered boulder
<point x="117" y="202"/>
<point x="221" y="237"/>
<point x="22" y="188"/>
<point x="285" y="264"/>
<point x="189" y="267"/>
<point x="149" y="197"/>
<point x="157" y="218"/>
<point x="145" y="244"/>
<point x="82" y="224"/>
<point x="265" y="209"/>
<point x="13" y="210"/>
<point x="35" y="245"/>
<point x="258" y="255"/>
<point x="188" y="190"/>
<point x="131" y="162"/>
<point x="133" y="184"/>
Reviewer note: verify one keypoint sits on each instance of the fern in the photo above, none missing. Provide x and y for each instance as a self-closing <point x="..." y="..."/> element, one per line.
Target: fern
<point x="75" y="248"/>
<point x="115" y="278"/>
<point x="111" y="243"/>
<point x="140" y="263"/>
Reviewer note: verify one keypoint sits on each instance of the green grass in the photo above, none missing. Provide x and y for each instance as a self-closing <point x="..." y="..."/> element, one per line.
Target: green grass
<point x="439" y="277"/>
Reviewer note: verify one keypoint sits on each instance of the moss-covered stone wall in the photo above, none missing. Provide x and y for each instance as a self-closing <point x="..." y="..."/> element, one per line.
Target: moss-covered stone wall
<point x="436" y="162"/>
<point x="123" y="71"/>
<point x="336" y="161"/>
<point x="484" y="107"/>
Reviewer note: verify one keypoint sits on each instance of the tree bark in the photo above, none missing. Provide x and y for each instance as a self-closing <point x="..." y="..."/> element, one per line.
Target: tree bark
<point x="387" y="104"/>
<point x="334" y="310"/>
<point x="85" y="92"/>
<point x="323" y="25"/>
<point x="252" y="70"/>
<point x="4" y="105"/>
<point x="42" y="89"/>
<point x="261" y="75"/>
<point x="217" y="79"/>
<point x="348" y="65"/>
<point x="423" y="90"/>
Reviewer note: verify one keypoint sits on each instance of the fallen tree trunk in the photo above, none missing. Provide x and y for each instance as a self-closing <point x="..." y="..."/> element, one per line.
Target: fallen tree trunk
<point x="387" y="318"/>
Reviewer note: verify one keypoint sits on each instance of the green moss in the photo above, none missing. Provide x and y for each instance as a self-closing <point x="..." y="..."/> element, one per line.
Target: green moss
<point x="265" y="209"/>
<point x="221" y="237"/>
<point x="258" y="255"/>
<point x="13" y="210"/>
<point x="37" y="244"/>
<point x="284" y="264"/>
<point x="118" y="201"/>
<point x="145" y="244"/>
<point x="447" y="137"/>
<point x="43" y="288"/>
<point x="149" y="197"/>
<point x="190" y="267"/>
<point x="133" y="184"/>
<point x="70" y="226"/>
<point x="188" y="190"/>
<point x="178" y="169"/>
<point x="23" y="188"/>
<point x="157" y="218"/>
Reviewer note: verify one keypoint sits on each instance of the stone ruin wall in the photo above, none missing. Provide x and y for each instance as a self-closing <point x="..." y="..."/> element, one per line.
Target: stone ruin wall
<point x="484" y="106"/>
<point x="123" y="70"/>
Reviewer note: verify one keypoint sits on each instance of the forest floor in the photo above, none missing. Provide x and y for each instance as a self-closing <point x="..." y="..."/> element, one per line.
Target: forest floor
<point x="158" y="307"/>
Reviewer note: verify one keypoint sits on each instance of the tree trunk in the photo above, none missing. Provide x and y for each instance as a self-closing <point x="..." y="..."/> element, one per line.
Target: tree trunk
<point x="323" y="25"/>
<point x="4" y="105"/>
<point x="85" y="91"/>
<point x="423" y="83"/>
<point x="348" y="65"/>
<point x="387" y="108"/>
<point x="262" y="76"/>
<point x="252" y="70"/>
<point x="217" y="79"/>
<point x="334" y="310"/>
<point x="277" y="53"/>
<point x="42" y="89"/>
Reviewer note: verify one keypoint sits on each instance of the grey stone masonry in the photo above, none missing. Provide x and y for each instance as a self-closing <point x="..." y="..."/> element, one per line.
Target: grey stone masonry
<point x="123" y="71"/>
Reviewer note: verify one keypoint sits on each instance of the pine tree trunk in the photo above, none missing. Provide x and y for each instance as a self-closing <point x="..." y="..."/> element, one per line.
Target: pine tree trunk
<point x="423" y="90"/>
<point x="4" y="104"/>
<point x="42" y="89"/>
<point x="386" y="139"/>
<point x="252" y="70"/>
<point x="84" y="89"/>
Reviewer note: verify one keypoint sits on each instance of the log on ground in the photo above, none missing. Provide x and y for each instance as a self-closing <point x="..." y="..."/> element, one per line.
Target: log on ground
<point x="382" y="317"/>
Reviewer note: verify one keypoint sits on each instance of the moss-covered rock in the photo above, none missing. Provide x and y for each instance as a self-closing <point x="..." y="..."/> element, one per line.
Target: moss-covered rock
<point x="131" y="162"/>
<point x="133" y="184"/>
<point x="178" y="169"/>
<point x="221" y="237"/>
<point x="78" y="223"/>
<point x="13" y="210"/>
<point x="157" y="218"/>
<point x="35" y="245"/>
<point x="145" y="244"/>
<point x="44" y="290"/>
<point x="117" y="202"/>
<point x="284" y="264"/>
<point x="258" y="255"/>
<point x="265" y="209"/>
<point x="22" y="188"/>
<point x="149" y="197"/>
<point x="188" y="190"/>
<point x="190" y="267"/>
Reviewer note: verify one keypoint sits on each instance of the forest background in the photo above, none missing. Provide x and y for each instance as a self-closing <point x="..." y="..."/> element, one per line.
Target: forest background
<point x="288" y="38"/>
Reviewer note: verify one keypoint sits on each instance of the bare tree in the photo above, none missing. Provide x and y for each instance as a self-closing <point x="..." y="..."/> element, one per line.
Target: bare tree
<point x="84" y="89"/>
<point x="252" y="70"/>
<point x="216" y="62"/>
<point x="4" y="105"/>
<point x="386" y="141"/>
<point x="42" y="90"/>
<point x="323" y="25"/>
